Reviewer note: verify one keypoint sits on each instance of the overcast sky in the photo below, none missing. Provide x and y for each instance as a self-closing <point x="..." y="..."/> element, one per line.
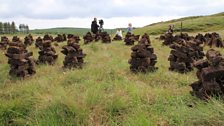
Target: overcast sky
<point x="116" y="13"/>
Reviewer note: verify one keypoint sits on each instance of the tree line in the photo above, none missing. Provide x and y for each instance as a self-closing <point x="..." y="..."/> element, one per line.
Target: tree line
<point x="10" y="28"/>
<point x="24" y="28"/>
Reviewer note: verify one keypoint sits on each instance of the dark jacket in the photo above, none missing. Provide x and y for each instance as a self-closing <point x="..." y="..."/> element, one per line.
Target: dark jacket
<point x="94" y="27"/>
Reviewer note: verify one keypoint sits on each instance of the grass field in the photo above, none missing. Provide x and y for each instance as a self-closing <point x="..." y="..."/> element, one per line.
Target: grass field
<point x="104" y="92"/>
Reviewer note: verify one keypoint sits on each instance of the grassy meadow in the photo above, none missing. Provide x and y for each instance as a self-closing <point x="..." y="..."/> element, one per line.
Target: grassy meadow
<point x="104" y="92"/>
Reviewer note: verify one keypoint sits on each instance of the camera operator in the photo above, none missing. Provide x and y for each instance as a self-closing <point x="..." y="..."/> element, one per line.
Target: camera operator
<point x="94" y="26"/>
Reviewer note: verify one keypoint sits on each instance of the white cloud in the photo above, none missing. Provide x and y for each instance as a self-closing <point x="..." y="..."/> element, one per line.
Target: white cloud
<point x="64" y="13"/>
<point x="58" y="9"/>
<point x="119" y="2"/>
<point x="43" y="6"/>
<point x="4" y="8"/>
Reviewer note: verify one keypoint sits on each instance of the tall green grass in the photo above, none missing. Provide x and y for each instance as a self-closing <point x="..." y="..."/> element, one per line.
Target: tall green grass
<point x="104" y="92"/>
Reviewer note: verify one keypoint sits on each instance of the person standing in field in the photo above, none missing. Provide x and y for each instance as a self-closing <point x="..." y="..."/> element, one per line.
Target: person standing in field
<point x="119" y="33"/>
<point x="170" y="29"/>
<point x="130" y="28"/>
<point x="94" y="26"/>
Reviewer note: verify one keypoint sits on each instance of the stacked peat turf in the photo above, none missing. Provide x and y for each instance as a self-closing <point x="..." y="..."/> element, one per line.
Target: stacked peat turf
<point x="183" y="54"/>
<point x="214" y="40"/>
<point x="73" y="55"/>
<point x="183" y="36"/>
<point x="69" y="36"/>
<point x="143" y="58"/>
<point x="145" y="39"/>
<point x="88" y="38"/>
<point x="39" y="42"/>
<point x="4" y="42"/>
<point x="65" y="37"/>
<point x="105" y="37"/>
<point x="117" y="38"/>
<point x="211" y="76"/>
<point x="60" y="38"/>
<point x="73" y="38"/>
<point x="48" y="37"/>
<point x="31" y="37"/>
<point x="97" y="37"/>
<point x="168" y="39"/>
<point x="129" y="39"/>
<point x="15" y="39"/>
<point x="47" y="53"/>
<point x="136" y="37"/>
<point x="162" y="37"/>
<point x="199" y="37"/>
<point x="20" y="60"/>
<point x="28" y="40"/>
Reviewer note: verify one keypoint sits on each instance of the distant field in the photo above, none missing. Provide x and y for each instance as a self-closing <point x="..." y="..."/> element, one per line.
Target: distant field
<point x="76" y="31"/>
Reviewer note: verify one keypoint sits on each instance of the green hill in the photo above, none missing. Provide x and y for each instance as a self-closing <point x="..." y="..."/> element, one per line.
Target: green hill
<point x="190" y="24"/>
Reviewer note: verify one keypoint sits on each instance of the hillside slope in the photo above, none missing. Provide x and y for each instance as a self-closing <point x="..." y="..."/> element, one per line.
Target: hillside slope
<point x="190" y="24"/>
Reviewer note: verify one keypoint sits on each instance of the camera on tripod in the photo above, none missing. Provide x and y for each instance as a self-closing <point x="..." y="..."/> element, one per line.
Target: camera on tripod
<point x="101" y="22"/>
<point x="101" y="25"/>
